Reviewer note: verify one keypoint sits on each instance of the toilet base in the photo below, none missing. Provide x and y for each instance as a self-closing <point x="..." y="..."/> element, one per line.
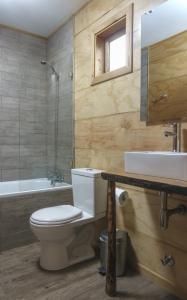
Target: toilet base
<point x="57" y="255"/>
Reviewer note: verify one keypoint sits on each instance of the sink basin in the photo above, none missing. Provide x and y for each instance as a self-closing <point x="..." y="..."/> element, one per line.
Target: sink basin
<point x="161" y="164"/>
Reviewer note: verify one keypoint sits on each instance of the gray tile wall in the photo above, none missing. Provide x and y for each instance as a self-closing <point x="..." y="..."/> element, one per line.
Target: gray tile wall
<point x="27" y="104"/>
<point x="23" y="106"/>
<point x="60" y="55"/>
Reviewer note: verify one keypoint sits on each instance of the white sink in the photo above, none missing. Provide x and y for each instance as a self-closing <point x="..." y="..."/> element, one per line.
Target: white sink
<point x="161" y="164"/>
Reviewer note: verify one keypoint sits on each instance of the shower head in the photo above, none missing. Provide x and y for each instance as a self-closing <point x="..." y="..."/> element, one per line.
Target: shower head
<point x="44" y="62"/>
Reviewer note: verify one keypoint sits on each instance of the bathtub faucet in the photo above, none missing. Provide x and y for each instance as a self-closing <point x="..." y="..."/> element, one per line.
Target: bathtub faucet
<point x="56" y="178"/>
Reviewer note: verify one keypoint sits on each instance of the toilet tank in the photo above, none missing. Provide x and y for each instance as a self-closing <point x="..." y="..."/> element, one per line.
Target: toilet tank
<point x="89" y="191"/>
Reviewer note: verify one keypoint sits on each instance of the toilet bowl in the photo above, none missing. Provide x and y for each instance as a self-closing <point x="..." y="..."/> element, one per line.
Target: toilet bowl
<point x="55" y="229"/>
<point x="66" y="232"/>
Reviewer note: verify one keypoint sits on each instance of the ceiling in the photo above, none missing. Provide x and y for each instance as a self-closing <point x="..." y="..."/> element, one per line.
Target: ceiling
<point x="41" y="17"/>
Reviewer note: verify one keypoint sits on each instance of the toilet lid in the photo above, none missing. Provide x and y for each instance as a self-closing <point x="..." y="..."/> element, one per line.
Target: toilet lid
<point x="56" y="215"/>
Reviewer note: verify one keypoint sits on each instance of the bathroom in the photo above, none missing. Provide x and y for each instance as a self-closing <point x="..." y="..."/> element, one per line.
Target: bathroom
<point x="80" y="120"/>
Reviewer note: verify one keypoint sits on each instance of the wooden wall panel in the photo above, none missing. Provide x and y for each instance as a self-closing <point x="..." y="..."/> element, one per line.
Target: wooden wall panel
<point x="116" y="98"/>
<point x="100" y="159"/>
<point x="107" y="123"/>
<point x="172" y="278"/>
<point x="83" y="63"/>
<point x="122" y="132"/>
<point x="168" y="68"/>
<point x="91" y="12"/>
<point x="175" y="105"/>
<point x="169" y="47"/>
<point x="168" y="76"/>
<point x="143" y="216"/>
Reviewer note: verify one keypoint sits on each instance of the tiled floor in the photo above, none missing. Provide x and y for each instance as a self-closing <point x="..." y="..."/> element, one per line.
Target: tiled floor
<point x="21" y="279"/>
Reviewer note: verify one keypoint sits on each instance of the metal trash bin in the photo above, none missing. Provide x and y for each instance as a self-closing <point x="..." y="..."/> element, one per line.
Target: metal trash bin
<point x="121" y="251"/>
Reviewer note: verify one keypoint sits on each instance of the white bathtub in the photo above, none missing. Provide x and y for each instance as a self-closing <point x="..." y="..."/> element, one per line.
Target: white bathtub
<point x="30" y="186"/>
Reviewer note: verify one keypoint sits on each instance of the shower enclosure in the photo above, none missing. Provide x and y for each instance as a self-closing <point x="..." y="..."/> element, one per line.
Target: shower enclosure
<point x="36" y="128"/>
<point x="36" y="115"/>
<point x="60" y="136"/>
<point x="55" y="175"/>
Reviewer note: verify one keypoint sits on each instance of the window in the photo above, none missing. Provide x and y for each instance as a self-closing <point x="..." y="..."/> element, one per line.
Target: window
<point x="116" y="51"/>
<point x="113" y="48"/>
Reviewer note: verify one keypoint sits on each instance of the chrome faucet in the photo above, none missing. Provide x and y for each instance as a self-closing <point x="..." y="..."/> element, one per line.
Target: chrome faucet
<point x="55" y="178"/>
<point x="176" y="134"/>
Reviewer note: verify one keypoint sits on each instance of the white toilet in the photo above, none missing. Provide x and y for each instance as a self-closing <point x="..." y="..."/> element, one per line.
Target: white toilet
<point x="66" y="232"/>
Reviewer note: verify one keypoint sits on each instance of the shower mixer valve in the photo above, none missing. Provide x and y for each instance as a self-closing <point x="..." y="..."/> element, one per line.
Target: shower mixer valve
<point x="55" y="178"/>
<point x="168" y="260"/>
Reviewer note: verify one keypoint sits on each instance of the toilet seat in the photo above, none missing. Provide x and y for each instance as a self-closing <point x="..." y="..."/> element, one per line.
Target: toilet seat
<point x="56" y="215"/>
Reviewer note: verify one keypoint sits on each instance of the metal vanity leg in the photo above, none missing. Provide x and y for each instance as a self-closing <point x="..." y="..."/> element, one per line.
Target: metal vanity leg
<point x="111" y="221"/>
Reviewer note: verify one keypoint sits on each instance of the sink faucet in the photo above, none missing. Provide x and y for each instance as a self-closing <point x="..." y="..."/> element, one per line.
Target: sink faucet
<point x="176" y="134"/>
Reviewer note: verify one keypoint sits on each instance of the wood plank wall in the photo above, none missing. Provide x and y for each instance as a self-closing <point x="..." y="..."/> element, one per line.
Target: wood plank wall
<point x="168" y="76"/>
<point x="107" y="123"/>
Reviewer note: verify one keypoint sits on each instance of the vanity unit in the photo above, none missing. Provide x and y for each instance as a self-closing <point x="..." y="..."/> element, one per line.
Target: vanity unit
<point x="165" y="186"/>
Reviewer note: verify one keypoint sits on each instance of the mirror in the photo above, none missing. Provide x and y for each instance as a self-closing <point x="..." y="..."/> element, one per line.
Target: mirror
<point x="164" y="63"/>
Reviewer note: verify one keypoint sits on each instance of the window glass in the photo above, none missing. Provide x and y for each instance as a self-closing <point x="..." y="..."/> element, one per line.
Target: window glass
<point x="117" y="53"/>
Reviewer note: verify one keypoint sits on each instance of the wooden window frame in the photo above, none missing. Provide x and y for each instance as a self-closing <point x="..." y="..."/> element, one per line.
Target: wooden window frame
<point x="122" y="20"/>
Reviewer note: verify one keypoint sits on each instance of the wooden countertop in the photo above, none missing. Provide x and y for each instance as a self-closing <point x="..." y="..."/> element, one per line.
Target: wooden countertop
<point x="148" y="182"/>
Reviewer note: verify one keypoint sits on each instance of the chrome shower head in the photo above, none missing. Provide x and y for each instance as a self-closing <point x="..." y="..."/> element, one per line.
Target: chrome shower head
<point x="44" y="62"/>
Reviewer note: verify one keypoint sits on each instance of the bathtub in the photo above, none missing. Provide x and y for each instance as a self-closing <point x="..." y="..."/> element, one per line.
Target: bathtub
<point x="19" y="199"/>
<point x="30" y="186"/>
